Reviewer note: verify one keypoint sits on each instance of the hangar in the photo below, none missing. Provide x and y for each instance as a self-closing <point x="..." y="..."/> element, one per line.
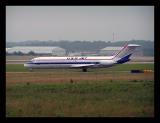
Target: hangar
<point x="109" y="51"/>
<point x="55" y="51"/>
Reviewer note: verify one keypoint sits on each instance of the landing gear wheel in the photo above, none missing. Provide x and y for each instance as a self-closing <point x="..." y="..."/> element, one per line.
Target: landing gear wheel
<point x="84" y="69"/>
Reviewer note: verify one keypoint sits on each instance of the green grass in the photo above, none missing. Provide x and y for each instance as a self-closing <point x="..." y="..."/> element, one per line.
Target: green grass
<point x="15" y="68"/>
<point x="122" y="67"/>
<point x="107" y="99"/>
<point x="89" y="95"/>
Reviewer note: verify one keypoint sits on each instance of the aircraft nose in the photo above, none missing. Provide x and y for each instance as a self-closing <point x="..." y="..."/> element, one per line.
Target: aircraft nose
<point x="25" y="65"/>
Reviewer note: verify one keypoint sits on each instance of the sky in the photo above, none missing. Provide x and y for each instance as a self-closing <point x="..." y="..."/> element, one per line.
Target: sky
<point x="88" y="23"/>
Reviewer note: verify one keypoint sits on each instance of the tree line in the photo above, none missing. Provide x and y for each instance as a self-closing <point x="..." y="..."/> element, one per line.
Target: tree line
<point x="89" y="46"/>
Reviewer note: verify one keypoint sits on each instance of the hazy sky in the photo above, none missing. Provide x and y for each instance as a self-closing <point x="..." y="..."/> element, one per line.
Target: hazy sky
<point x="79" y="23"/>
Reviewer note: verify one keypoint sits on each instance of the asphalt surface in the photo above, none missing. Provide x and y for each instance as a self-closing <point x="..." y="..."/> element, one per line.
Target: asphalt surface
<point x="24" y="61"/>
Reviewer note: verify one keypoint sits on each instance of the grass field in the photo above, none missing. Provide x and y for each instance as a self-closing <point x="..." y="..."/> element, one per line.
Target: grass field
<point x="122" y="67"/>
<point x="108" y="92"/>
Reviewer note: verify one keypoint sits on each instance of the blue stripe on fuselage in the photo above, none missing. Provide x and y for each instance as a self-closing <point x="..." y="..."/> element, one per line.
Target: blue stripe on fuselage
<point x="63" y="63"/>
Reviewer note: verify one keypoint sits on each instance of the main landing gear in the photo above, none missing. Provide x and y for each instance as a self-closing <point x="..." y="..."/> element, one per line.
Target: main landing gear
<point x="84" y="69"/>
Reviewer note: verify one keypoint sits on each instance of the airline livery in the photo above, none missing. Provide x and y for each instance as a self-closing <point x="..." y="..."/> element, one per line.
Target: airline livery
<point x="83" y="62"/>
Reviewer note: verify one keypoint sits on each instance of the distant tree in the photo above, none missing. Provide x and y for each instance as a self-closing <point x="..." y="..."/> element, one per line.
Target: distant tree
<point x="81" y="46"/>
<point x="31" y="53"/>
<point x="18" y="53"/>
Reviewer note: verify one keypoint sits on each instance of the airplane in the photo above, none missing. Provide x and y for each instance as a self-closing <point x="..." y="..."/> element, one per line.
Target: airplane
<point x="83" y="62"/>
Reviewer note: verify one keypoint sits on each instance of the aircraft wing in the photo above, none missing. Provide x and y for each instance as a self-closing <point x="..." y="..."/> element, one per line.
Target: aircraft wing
<point x="83" y="65"/>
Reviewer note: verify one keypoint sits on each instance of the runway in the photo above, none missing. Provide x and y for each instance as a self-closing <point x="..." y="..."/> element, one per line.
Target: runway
<point x="24" y="61"/>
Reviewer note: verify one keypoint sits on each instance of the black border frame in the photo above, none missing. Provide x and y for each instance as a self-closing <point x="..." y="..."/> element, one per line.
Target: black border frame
<point x="156" y="5"/>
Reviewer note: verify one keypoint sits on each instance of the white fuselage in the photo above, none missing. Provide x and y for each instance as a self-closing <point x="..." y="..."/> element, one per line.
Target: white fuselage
<point x="70" y="62"/>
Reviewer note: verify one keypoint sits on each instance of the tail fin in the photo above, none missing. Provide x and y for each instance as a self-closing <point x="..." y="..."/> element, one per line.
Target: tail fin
<point x="124" y="54"/>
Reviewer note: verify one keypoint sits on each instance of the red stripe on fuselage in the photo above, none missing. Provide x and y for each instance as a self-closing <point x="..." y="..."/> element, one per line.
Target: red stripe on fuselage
<point x="120" y="50"/>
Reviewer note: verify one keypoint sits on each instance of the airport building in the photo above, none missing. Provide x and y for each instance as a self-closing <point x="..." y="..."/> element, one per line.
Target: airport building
<point x="109" y="51"/>
<point x="55" y="51"/>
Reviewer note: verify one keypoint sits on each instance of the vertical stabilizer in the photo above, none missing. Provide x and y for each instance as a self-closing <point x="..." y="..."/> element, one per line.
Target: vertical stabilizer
<point x="124" y="54"/>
